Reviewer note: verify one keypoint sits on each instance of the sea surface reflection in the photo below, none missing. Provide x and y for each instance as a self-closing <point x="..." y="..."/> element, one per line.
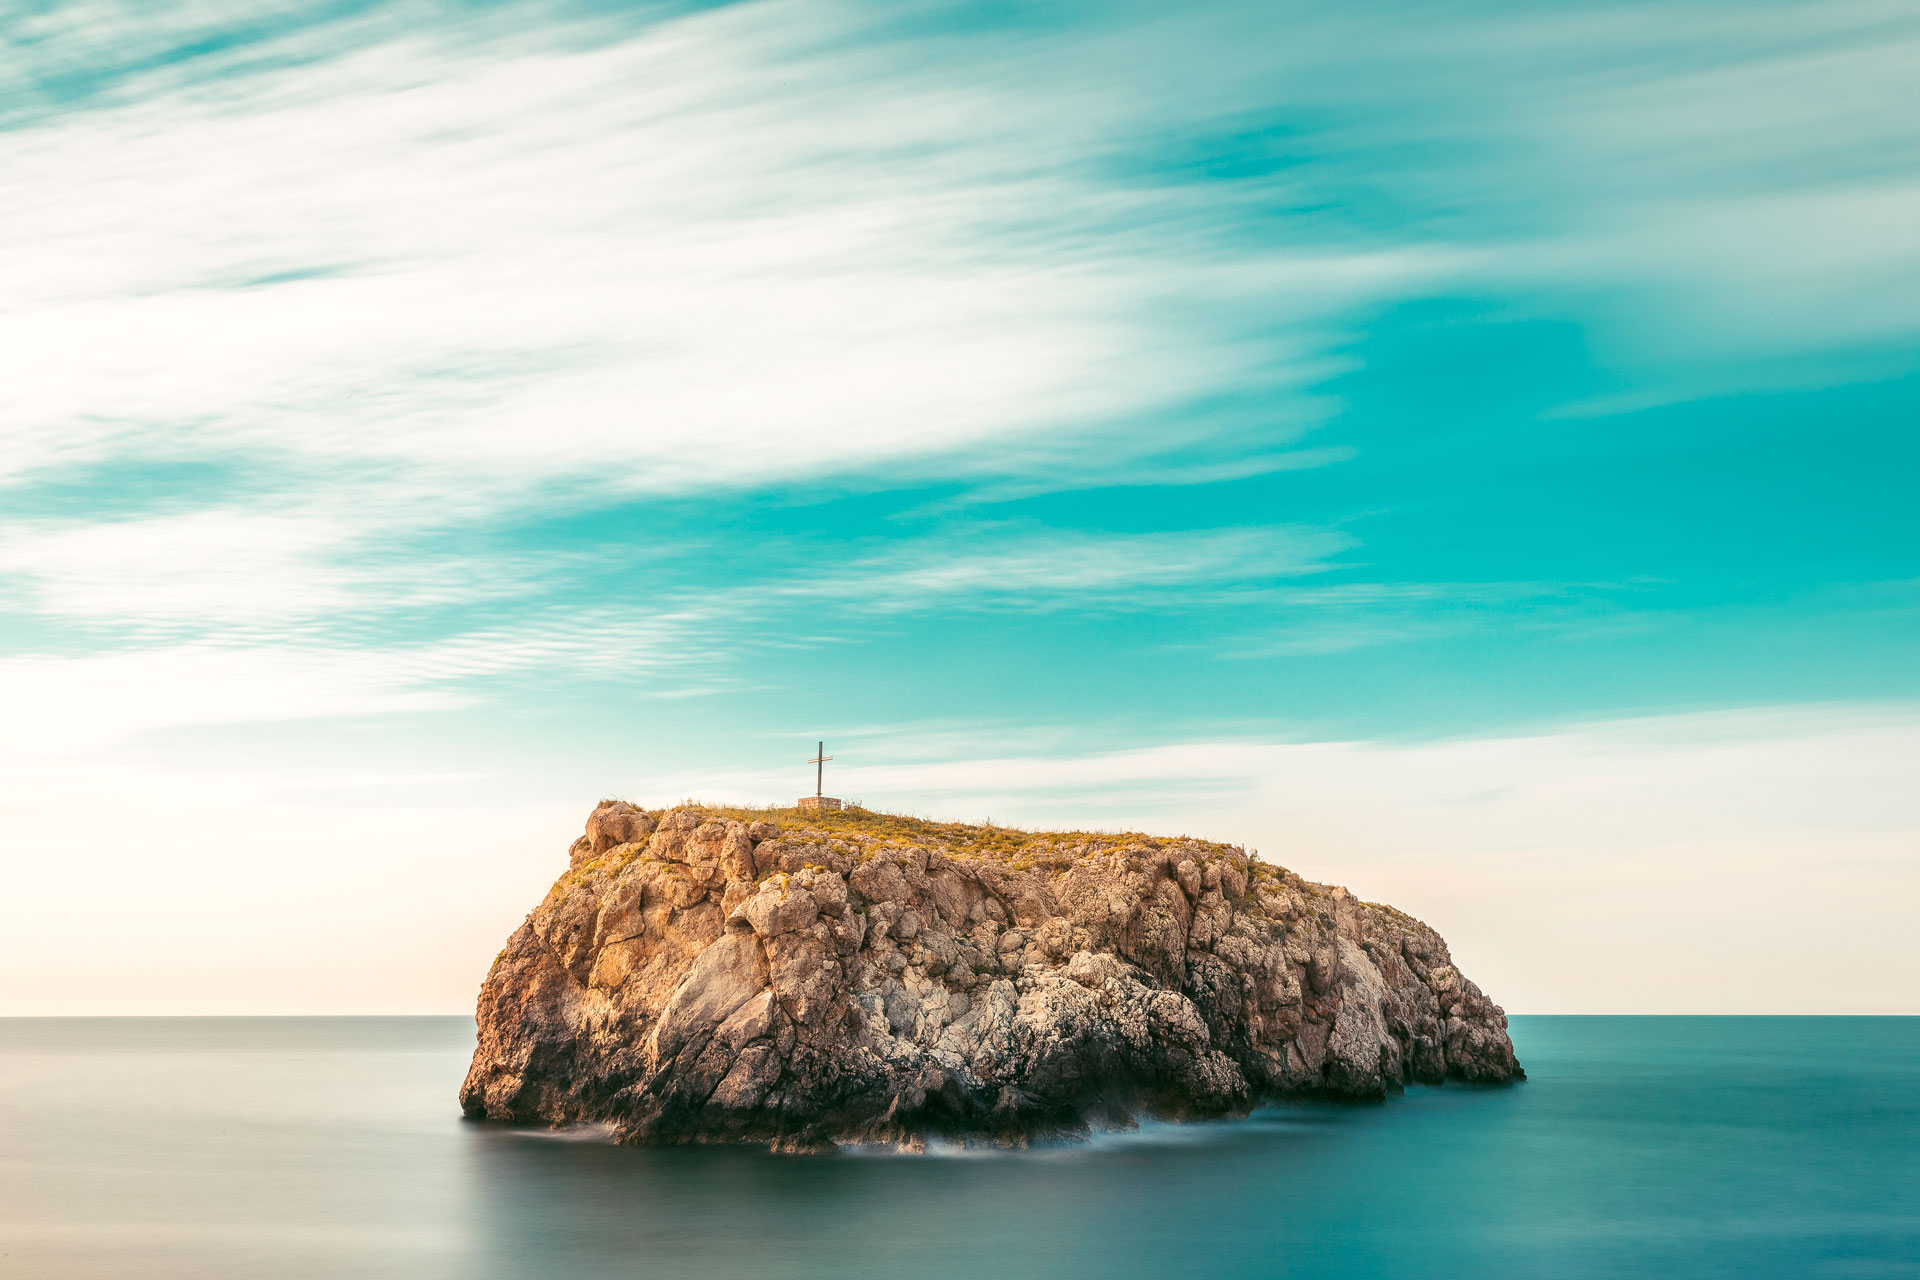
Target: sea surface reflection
<point x="330" y="1147"/>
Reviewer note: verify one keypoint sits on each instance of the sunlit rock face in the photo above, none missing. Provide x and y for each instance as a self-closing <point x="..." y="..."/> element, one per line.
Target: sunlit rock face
<point x="806" y="979"/>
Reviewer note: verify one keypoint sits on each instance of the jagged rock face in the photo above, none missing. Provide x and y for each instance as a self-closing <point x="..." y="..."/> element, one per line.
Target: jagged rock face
<point x="694" y="977"/>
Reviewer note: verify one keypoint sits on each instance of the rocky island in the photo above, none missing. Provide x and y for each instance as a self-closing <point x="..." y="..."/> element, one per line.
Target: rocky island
<point x="804" y="979"/>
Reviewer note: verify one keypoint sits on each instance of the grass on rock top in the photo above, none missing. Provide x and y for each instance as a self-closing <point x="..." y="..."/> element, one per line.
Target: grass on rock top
<point x="899" y="830"/>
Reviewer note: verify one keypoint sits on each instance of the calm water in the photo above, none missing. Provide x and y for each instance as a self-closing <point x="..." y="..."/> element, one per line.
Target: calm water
<point x="332" y="1147"/>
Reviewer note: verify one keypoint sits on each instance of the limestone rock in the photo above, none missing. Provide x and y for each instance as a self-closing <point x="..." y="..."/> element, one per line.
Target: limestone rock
<point x="615" y="822"/>
<point x="804" y="979"/>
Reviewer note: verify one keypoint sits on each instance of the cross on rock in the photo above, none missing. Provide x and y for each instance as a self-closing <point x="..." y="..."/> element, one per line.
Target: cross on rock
<point x="816" y="800"/>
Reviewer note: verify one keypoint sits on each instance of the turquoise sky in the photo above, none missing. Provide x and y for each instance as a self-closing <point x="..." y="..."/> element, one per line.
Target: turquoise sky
<point x="428" y="418"/>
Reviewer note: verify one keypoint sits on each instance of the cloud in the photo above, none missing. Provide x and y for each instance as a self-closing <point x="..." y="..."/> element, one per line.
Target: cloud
<point x="206" y="567"/>
<point x="1729" y="191"/>
<point x="237" y="617"/>
<point x="763" y="257"/>
<point x="65" y="708"/>
<point x="1065" y="569"/>
<point x="421" y="279"/>
<point x="783" y="239"/>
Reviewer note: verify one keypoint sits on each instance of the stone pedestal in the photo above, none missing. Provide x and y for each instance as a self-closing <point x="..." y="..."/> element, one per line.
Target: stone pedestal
<point x="817" y="802"/>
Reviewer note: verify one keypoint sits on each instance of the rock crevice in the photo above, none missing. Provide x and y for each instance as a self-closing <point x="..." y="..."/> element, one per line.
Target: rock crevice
<point x="800" y="980"/>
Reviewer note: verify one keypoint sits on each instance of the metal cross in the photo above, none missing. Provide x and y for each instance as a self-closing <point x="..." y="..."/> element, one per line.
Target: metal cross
<point x="820" y="769"/>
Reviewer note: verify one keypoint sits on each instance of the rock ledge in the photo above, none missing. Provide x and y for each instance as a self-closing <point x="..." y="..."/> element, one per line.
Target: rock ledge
<point x="704" y="974"/>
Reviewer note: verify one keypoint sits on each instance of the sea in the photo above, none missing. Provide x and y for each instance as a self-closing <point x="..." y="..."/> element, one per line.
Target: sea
<point x="304" y="1147"/>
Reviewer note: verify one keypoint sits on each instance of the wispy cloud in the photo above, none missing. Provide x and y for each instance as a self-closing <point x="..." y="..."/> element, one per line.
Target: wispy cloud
<point x="1053" y="569"/>
<point x="414" y="257"/>
<point x="414" y="277"/>
<point x="783" y="247"/>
